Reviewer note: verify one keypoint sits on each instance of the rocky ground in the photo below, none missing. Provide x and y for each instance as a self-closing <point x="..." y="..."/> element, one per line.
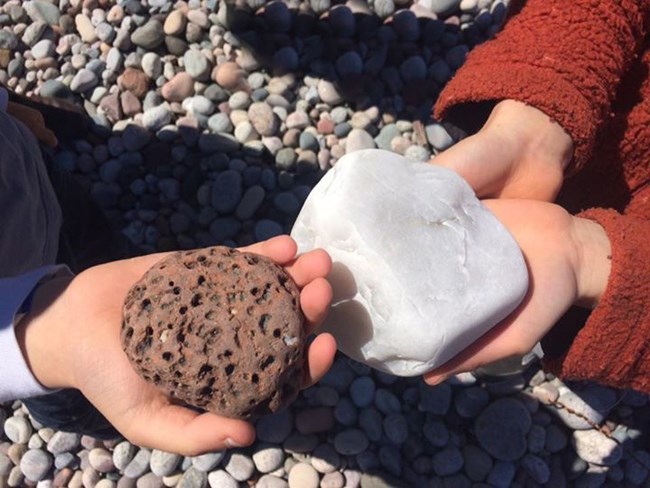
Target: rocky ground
<point x="213" y="122"/>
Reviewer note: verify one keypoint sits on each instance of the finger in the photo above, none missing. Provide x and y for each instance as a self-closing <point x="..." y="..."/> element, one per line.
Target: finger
<point x="504" y="340"/>
<point x="309" y="266"/>
<point x="315" y="299"/>
<point x="177" y="429"/>
<point x="281" y="249"/>
<point x="320" y="356"/>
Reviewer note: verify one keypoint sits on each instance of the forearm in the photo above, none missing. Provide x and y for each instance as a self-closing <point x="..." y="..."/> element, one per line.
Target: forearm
<point x="44" y="336"/>
<point x="573" y="81"/>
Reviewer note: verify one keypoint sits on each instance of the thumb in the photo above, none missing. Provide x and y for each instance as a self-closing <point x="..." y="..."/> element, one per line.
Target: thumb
<point x="174" y="428"/>
<point x="478" y="162"/>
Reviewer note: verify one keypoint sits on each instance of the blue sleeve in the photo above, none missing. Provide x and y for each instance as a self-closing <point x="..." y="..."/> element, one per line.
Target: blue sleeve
<point x="16" y="380"/>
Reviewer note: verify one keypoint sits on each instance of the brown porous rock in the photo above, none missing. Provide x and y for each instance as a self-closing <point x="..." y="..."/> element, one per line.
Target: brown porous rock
<point x="219" y="329"/>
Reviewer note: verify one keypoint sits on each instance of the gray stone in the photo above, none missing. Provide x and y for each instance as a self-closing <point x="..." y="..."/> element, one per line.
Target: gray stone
<point x="101" y="460"/>
<point x="386" y="402"/>
<point x="156" y="118"/>
<point x="43" y="49"/>
<point x="196" y="64"/>
<point x="163" y="463"/>
<point x="207" y="462"/>
<point x="447" y="461"/>
<point x="637" y="467"/>
<point x="413" y="68"/>
<point x="8" y="40"/>
<point x="476" y="462"/>
<point x="239" y="466"/>
<point x="18" y="429"/>
<point x="250" y="202"/>
<point x="417" y="153"/>
<point x="83" y="81"/>
<point x="35" y="464"/>
<point x="149" y="36"/>
<point x="34" y="32"/>
<point x="438" y="137"/>
<point x="268" y="457"/>
<point x="221" y="479"/>
<point x="350" y="442"/>
<point x="226" y="191"/>
<point x="139" y="465"/>
<point x="193" y="478"/>
<point x="220" y="122"/>
<point x="502" y="474"/>
<point x="536" y="468"/>
<point x="386" y="135"/>
<point x="502" y="427"/>
<point x="442" y="7"/>
<point x="123" y="453"/>
<point x="276" y="427"/>
<point x="396" y="428"/>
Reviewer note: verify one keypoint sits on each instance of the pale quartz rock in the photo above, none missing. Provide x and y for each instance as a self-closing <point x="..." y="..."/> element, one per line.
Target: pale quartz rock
<point x="421" y="268"/>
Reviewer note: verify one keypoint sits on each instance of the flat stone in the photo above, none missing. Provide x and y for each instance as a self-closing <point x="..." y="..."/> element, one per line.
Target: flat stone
<point x="480" y="274"/>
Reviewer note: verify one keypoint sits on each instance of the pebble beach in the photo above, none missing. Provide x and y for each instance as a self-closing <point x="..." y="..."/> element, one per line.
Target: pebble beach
<point x="212" y="122"/>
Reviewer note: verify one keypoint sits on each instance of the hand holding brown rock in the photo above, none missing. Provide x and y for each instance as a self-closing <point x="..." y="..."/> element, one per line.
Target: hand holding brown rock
<point x="218" y="329"/>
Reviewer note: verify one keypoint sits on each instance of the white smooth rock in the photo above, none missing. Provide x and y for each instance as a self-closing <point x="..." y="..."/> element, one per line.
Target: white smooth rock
<point x="421" y="268"/>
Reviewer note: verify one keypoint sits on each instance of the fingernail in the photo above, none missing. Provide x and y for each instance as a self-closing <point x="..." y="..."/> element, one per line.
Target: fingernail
<point x="231" y="444"/>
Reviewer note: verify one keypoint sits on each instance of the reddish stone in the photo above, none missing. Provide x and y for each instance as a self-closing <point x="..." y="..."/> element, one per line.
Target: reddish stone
<point x="110" y="104"/>
<point x="325" y="126"/>
<point x="130" y="104"/>
<point x="135" y="81"/>
<point x="180" y="87"/>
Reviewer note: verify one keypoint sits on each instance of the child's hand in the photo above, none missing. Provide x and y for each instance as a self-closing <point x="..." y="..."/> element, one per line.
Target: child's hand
<point x="519" y="153"/>
<point x="568" y="263"/>
<point x="75" y="342"/>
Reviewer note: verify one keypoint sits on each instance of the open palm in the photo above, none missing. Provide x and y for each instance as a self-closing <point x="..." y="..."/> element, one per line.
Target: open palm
<point x="138" y="410"/>
<point x="545" y="233"/>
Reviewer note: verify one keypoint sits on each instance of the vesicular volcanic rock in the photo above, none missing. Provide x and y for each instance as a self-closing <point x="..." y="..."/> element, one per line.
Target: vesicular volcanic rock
<point x="221" y="330"/>
<point x="421" y="268"/>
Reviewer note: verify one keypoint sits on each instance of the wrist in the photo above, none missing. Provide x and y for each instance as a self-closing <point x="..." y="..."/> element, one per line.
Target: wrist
<point x="43" y="336"/>
<point x="594" y="261"/>
<point x="538" y="136"/>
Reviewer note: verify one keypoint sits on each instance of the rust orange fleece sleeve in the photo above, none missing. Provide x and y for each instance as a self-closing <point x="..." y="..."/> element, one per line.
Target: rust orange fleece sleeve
<point x="564" y="57"/>
<point x="613" y="347"/>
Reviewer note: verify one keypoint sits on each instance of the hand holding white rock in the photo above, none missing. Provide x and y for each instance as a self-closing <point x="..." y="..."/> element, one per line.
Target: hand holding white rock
<point x="421" y="267"/>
